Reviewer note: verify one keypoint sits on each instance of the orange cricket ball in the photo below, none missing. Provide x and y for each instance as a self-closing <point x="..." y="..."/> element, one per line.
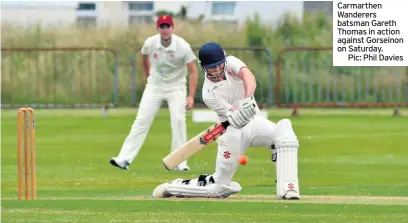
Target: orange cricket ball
<point x="242" y="159"/>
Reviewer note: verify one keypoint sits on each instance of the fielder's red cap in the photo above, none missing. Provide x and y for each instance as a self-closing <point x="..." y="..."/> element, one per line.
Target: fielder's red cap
<point x="165" y="19"/>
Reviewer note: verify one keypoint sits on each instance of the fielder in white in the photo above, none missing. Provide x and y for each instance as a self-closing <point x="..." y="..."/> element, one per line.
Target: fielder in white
<point x="166" y="60"/>
<point x="228" y="90"/>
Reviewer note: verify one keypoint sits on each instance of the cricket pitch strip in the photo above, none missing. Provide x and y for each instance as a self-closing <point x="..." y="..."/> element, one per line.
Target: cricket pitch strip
<point x="311" y="199"/>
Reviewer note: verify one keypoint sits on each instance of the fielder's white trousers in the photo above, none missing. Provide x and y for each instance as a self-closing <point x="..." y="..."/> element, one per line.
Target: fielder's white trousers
<point x="152" y="99"/>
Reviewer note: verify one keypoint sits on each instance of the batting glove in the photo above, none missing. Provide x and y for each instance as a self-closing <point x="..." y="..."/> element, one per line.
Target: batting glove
<point x="248" y="107"/>
<point x="236" y="119"/>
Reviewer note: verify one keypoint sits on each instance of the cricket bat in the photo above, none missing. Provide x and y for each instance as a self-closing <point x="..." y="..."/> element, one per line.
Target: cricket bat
<point x="194" y="145"/>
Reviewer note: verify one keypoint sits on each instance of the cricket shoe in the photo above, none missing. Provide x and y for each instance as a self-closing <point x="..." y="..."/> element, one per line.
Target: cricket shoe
<point x="182" y="167"/>
<point x="123" y="165"/>
<point x="291" y="195"/>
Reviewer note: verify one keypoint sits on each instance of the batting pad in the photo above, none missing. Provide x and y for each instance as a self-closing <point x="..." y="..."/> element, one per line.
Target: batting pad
<point x="192" y="190"/>
<point x="287" y="170"/>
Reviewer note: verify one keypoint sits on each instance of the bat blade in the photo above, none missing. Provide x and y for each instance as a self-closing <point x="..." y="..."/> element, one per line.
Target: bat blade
<point x="194" y="145"/>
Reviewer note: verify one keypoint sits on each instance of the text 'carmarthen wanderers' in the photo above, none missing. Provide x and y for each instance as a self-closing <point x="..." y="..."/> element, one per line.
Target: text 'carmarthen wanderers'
<point x="367" y="5"/>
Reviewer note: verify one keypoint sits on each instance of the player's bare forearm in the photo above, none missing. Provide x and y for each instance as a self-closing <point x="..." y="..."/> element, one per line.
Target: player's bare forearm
<point x="146" y="65"/>
<point x="193" y="85"/>
<point x="192" y="69"/>
<point x="249" y="81"/>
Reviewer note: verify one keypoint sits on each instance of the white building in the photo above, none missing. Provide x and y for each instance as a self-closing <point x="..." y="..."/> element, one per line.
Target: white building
<point x="238" y="11"/>
<point x="63" y="13"/>
<point x="27" y="14"/>
<point x="125" y="14"/>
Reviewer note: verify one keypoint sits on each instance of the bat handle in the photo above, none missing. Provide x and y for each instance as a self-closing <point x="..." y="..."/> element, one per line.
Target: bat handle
<point x="225" y="124"/>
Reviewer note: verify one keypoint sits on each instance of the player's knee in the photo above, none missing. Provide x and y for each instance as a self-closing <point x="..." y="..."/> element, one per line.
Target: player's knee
<point x="177" y="119"/>
<point x="285" y="135"/>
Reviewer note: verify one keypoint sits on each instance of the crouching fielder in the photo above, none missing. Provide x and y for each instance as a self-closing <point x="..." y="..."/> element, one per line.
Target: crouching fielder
<point x="228" y="89"/>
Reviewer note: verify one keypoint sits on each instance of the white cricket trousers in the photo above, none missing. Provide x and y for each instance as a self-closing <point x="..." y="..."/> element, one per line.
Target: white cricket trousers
<point x="153" y="97"/>
<point x="234" y="142"/>
<point x="260" y="132"/>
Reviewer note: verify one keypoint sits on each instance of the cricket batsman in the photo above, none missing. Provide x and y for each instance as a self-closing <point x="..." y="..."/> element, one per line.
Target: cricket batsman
<point x="228" y="90"/>
<point x="166" y="59"/>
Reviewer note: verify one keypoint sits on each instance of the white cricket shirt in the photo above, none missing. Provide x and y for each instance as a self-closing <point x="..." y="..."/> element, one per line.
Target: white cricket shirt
<point x="168" y="64"/>
<point x="221" y="96"/>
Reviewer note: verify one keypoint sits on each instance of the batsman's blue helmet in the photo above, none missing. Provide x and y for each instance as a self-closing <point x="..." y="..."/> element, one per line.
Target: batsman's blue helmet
<point x="211" y="54"/>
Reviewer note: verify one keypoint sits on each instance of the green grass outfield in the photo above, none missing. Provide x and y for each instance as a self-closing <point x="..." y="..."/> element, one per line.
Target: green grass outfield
<point x="353" y="167"/>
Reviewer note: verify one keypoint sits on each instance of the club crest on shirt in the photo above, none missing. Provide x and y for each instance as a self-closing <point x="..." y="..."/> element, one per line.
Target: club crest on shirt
<point x="171" y="56"/>
<point x="155" y="55"/>
<point x="232" y="74"/>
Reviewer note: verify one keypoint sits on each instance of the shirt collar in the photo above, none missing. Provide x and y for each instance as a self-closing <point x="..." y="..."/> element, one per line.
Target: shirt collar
<point x="172" y="46"/>
<point x="215" y="84"/>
